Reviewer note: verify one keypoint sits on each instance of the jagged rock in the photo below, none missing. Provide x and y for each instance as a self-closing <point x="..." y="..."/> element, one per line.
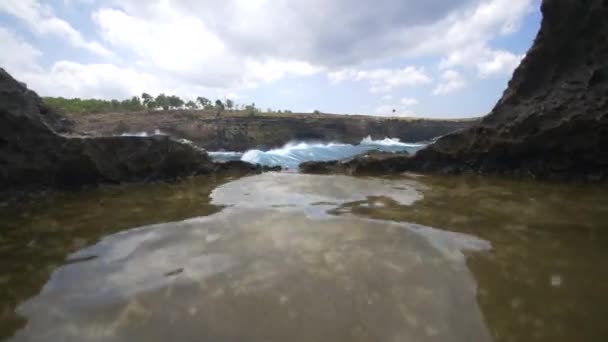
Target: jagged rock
<point x="34" y="155"/>
<point x="551" y="122"/>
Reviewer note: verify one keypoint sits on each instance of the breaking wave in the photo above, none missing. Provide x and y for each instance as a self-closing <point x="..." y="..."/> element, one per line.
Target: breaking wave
<point x="293" y="154"/>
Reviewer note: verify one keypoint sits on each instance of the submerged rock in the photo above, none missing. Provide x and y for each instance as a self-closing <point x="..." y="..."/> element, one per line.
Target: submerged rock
<point x="552" y="121"/>
<point x="34" y="154"/>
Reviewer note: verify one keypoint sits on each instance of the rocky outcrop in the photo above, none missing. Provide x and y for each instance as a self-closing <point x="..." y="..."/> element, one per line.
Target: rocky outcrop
<point x="551" y="122"/>
<point x="240" y="133"/>
<point x="34" y="155"/>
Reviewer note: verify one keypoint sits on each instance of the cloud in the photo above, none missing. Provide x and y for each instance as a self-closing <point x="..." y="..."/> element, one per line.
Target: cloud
<point x="474" y="25"/>
<point x="408" y="101"/>
<point x="338" y="33"/>
<point x="451" y="81"/>
<point x="41" y="20"/>
<point x="500" y="63"/>
<point x="17" y="55"/>
<point x="225" y="43"/>
<point x="486" y="61"/>
<point x="71" y="79"/>
<point x="213" y="47"/>
<point x="164" y="40"/>
<point x="382" y="80"/>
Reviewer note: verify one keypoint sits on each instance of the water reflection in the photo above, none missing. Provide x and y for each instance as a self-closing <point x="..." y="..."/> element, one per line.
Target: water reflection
<point x="267" y="270"/>
<point x="544" y="279"/>
<point x="314" y="194"/>
<point x="332" y="258"/>
<point x="264" y="275"/>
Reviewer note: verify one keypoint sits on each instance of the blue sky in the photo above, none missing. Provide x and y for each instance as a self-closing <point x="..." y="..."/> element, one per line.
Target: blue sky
<point x="430" y="58"/>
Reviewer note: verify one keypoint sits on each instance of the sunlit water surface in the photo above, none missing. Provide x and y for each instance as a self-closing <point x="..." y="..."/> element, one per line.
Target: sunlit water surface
<point x="291" y="257"/>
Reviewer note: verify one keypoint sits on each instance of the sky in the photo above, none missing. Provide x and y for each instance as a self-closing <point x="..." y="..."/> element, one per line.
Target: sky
<point x="421" y="58"/>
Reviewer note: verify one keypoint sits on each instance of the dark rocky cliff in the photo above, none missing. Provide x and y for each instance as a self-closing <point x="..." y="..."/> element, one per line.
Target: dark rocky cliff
<point x="552" y="121"/>
<point x="34" y="155"/>
<point x="240" y="133"/>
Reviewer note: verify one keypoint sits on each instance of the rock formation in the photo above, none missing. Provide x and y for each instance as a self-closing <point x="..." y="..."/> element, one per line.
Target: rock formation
<point x="34" y="154"/>
<point x="551" y="122"/>
<point x="241" y="133"/>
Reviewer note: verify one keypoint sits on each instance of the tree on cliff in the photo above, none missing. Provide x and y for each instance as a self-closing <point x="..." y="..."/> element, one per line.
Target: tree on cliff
<point x="191" y="105"/>
<point x="175" y="102"/>
<point x="146" y="99"/>
<point x="250" y="109"/>
<point x="203" y="102"/>
<point x="229" y="104"/>
<point x="219" y="107"/>
<point x="131" y="105"/>
<point x="152" y="104"/>
<point x="163" y="101"/>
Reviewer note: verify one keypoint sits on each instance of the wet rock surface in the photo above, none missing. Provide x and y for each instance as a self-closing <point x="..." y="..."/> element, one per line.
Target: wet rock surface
<point x="35" y="155"/>
<point x="552" y="121"/>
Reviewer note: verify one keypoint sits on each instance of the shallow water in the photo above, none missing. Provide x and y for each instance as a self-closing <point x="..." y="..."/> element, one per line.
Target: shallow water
<point x="290" y="257"/>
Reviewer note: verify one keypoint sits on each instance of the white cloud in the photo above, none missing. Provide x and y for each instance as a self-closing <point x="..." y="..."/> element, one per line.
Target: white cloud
<point x="70" y="79"/>
<point x="408" y="101"/>
<point x="229" y="43"/>
<point x="40" y="19"/>
<point x="500" y="63"/>
<point x="164" y="40"/>
<point x="213" y="47"/>
<point x="488" y="62"/>
<point x="17" y="55"/>
<point x="383" y="80"/>
<point x="475" y="25"/>
<point x="451" y="81"/>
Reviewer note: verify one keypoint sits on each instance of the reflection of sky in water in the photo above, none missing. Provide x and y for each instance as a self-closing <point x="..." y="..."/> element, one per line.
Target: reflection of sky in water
<point x="265" y="269"/>
<point x="311" y="193"/>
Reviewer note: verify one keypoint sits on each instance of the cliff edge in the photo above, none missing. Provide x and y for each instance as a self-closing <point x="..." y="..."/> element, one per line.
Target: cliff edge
<point x="35" y="153"/>
<point x="552" y="120"/>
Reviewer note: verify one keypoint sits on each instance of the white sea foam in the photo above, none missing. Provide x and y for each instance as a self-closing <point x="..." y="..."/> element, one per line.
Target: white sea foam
<point x="293" y="154"/>
<point x="142" y="134"/>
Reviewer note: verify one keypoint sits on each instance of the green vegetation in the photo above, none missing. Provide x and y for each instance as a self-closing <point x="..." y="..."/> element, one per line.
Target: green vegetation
<point x="94" y="105"/>
<point x="136" y="103"/>
<point x="147" y="102"/>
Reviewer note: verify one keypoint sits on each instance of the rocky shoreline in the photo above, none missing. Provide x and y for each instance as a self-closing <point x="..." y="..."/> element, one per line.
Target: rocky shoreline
<point x="551" y="122"/>
<point x="233" y="132"/>
<point x="38" y="152"/>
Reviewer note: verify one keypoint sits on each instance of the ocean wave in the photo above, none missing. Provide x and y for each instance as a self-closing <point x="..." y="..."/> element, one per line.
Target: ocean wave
<point x="293" y="154"/>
